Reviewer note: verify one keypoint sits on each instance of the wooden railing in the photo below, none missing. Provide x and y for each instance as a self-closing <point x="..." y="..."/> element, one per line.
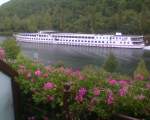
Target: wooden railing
<point x="6" y="69"/>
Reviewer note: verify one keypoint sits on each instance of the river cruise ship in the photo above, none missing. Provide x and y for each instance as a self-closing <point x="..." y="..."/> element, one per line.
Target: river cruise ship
<point x="98" y="40"/>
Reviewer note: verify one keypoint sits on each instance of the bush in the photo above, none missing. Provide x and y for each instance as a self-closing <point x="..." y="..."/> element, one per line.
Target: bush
<point x="141" y="71"/>
<point x="11" y="48"/>
<point x="111" y="63"/>
<point x="90" y="92"/>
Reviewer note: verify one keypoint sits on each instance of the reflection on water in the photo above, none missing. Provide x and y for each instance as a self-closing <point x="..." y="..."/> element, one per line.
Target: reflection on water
<point x="80" y="56"/>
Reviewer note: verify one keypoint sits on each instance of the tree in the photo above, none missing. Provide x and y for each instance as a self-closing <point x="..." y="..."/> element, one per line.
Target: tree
<point x="111" y="63"/>
<point x="89" y="16"/>
<point x="141" y="69"/>
<point x="16" y="23"/>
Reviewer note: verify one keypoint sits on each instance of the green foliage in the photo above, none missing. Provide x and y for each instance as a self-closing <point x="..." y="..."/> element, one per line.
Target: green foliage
<point x="111" y="63"/>
<point x="95" y="16"/>
<point x="142" y="70"/>
<point x="102" y="93"/>
<point x="11" y="48"/>
<point x="136" y="103"/>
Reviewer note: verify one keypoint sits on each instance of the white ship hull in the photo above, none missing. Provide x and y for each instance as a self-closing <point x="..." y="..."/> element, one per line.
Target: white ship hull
<point x="96" y="40"/>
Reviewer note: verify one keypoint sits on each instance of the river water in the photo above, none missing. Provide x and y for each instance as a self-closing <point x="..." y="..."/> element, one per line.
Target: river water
<point x="81" y="56"/>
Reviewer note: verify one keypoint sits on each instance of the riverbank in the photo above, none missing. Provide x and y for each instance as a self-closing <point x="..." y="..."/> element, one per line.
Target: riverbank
<point x="6" y="33"/>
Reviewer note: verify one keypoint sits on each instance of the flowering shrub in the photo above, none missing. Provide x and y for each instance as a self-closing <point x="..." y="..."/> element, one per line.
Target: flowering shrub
<point x="89" y="91"/>
<point x="2" y="54"/>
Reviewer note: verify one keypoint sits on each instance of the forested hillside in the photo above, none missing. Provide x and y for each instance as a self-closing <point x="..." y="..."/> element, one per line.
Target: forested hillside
<point x="90" y="16"/>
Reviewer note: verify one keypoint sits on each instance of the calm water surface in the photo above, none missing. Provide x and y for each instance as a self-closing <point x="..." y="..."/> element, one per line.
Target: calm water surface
<point x="81" y="56"/>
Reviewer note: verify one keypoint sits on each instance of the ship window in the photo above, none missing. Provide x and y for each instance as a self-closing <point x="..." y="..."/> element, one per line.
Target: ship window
<point x="88" y="41"/>
<point x="102" y="41"/>
<point x="99" y="41"/>
<point x="95" y="41"/>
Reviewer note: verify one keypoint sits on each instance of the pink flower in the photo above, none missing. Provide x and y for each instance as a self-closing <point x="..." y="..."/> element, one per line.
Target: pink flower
<point x="96" y="91"/>
<point x="123" y="91"/>
<point x="82" y="91"/>
<point x="139" y="77"/>
<point x="110" y="98"/>
<point x="148" y="85"/>
<point x="31" y="118"/>
<point x="80" y="95"/>
<point x="79" y="98"/>
<point x="123" y="83"/>
<point x="37" y="72"/>
<point x="45" y="75"/>
<point x="140" y="97"/>
<point x="2" y="54"/>
<point x="50" y="98"/>
<point x="48" y="85"/>
<point x="79" y="75"/>
<point x="68" y="71"/>
<point x="61" y="69"/>
<point x="112" y="82"/>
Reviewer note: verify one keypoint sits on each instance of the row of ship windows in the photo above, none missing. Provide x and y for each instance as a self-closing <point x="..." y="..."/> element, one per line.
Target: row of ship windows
<point x="93" y="41"/>
<point x="29" y="35"/>
<point x="79" y="41"/>
<point x="84" y="37"/>
<point x="35" y="35"/>
<point x="35" y="38"/>
<point x="87" y="37"/>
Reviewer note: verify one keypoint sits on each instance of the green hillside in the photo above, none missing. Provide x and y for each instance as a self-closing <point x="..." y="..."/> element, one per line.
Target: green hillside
<point x="90" y="16"/>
